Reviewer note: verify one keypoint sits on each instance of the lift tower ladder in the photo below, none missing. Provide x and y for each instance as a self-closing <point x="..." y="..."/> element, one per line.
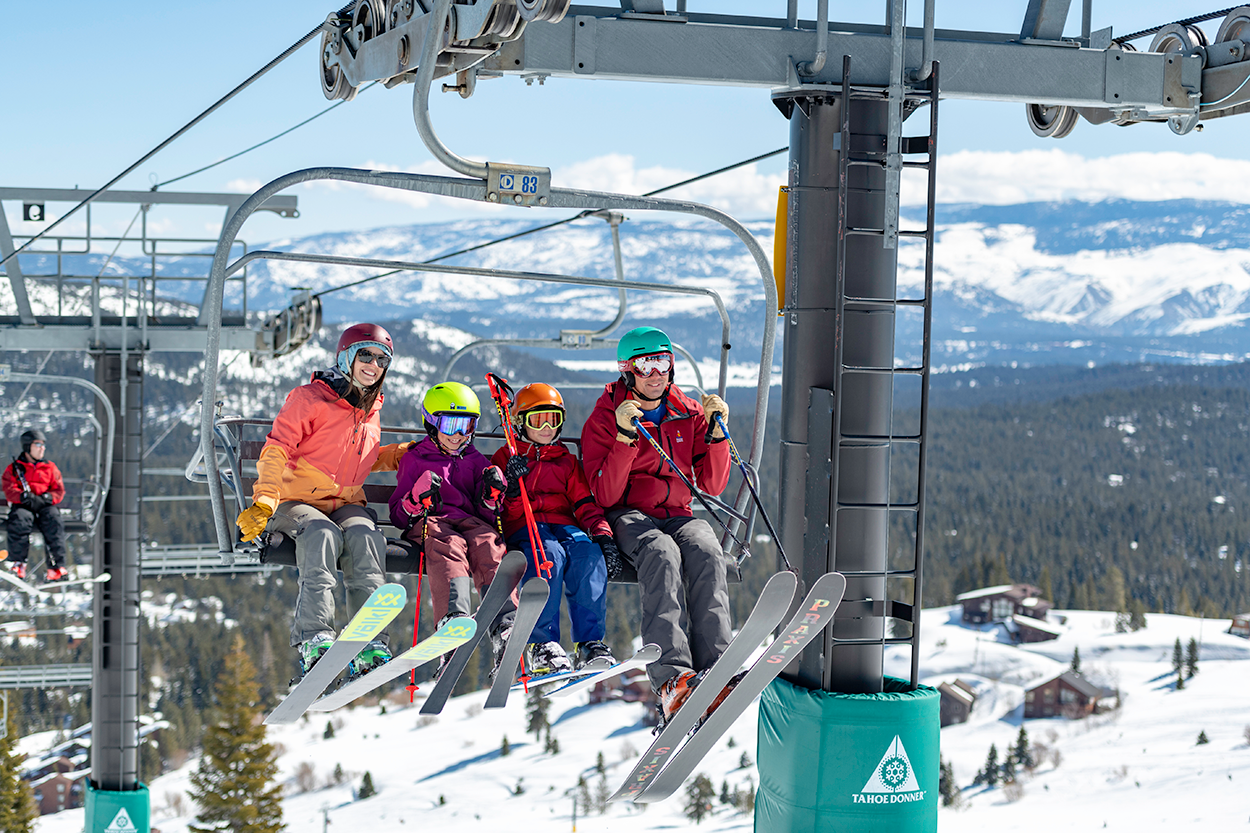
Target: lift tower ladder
<point x="860" y="437"/>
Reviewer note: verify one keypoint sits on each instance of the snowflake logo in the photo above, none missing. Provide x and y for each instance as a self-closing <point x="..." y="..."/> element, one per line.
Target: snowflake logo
<point x="893" y="771"/>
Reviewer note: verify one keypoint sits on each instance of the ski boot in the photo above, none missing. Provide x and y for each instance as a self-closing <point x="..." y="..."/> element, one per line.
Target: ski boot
<point x="56" y="574"/>
<point x="372" y="656"/>
<point x="309" y="652"/>
<point x="498" y="642"/>
<point x="673" y="692"/>
<point x="543" y="658"/>
<point x="720" y="698"/>
<point x="17" y="568"/>
<point x="594" y="651"/>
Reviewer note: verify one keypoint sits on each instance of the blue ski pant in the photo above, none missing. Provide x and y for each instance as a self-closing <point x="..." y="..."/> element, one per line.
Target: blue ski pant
<point x="577" y="566"/>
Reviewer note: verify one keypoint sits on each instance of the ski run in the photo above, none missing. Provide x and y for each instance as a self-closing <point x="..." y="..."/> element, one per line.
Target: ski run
<point x="1139" y="770"/>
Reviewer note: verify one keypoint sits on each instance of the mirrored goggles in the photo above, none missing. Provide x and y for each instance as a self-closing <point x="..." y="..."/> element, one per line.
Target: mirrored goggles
<point x="541" y="419"/>
<point x="648" y="365"/>
<point x="383" y="361"/>
<point x="451" y="424"/>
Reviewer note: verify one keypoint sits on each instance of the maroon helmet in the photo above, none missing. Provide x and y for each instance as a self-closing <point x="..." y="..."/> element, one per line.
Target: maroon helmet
<point x="361" y="335"/>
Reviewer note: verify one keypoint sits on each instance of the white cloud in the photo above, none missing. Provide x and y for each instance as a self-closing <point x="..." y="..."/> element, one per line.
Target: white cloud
<point x="1006" y="178"/>
<point x="243" y="186"/>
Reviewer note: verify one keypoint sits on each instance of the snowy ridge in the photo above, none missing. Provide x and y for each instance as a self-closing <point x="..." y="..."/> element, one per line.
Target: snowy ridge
<point x="1138" y="769"/>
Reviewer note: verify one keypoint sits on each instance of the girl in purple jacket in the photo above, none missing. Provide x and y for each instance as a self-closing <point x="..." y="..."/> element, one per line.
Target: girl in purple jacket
<point x="447" y="495"/>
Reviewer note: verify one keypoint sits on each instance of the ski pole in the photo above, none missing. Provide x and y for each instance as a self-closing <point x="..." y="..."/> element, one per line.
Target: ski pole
<point x="746" y="475"/>
<point x="703" y="502"/>
<point x="499" y="391"/>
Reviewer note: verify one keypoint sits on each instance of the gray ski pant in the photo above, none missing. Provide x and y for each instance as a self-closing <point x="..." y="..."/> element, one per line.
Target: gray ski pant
<point x="348" y="539"/>
<point x="677" y="559"/>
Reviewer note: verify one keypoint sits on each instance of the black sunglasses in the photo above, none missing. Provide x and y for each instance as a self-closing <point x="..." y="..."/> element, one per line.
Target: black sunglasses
<point x="383" y="360"/>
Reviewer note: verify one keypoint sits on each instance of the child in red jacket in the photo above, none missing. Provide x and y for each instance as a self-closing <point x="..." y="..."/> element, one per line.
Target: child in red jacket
<point x="571" y="526"/>
<point x="33" y="488"/>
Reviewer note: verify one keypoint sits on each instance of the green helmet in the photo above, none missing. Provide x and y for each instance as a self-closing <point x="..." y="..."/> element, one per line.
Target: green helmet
<point x="451" y="398"/>
<point x="642" y="341"/>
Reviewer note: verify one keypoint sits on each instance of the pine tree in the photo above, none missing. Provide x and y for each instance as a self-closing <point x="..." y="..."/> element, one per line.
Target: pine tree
<point x="1114" y="596"/>
<point x="329" y="732"/>
<point x="1022" y="752"/>
<point x="946" y="783"/>
<point x="583" y="794"/>
<point x="725" y="797"/>
<point x="505" y="748"/>
<point x="236" y="783"/>
<point x="536" y="713"/>
<point x="1178" y="657"/>
<point x="1191" y="658"/>
<point x="1009" y="769"/>
<point x="1180" y="681"/>
<point x="602" y="794"/>
<point x="1202" y="737"/>
<point x="989" y="775"/>
<point x="600" y="766"/>
<point x="366" y="787"/>
<point x="744" y="761"/>
<point x="17" y="805"/>
<point x="1136" y="615"/>
<point x="1045" y="585"/>
<point x="699" y="797"/>
<point x="1075" y="665"/>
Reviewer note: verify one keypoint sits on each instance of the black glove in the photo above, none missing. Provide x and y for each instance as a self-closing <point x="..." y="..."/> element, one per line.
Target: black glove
<point x="611" y="556"/>
<point x="35" y="502"/>
<point x="516" y="468"/>
<point x="493" y="487"/>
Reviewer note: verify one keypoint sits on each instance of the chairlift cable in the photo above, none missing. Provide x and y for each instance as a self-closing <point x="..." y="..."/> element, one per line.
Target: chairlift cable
<point x="288" y="52"/>
<point x="579" y="216"/>
<point x="259" y="144"/>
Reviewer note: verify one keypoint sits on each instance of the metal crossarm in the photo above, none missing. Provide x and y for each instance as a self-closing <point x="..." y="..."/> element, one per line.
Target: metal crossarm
<point x="45" y="676"/>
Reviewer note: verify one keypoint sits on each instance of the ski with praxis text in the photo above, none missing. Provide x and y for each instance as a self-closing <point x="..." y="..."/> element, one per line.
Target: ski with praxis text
<point x="507" y="575"/>
<point x="771" y="607"/>
<point x="383" y="605"/>
<point x="533" y="599"/>
<point x="809" y="621"/>
<point x="450" y="636"/>
<point x="645" y="655"/>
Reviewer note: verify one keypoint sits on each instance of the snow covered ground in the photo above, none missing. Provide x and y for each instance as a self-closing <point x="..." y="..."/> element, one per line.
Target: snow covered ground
<point x="1138" y="769"/>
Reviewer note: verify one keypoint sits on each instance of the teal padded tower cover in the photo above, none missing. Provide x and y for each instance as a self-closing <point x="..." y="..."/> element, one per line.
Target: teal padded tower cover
<point x="850" y="763"/>
<point x="112" y="811"/>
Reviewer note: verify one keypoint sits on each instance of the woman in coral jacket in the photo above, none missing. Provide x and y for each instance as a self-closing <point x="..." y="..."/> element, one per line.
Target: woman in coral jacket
<point x="310" y="476"/>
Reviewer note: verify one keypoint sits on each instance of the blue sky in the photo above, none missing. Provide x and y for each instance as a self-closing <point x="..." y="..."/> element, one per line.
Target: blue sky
<point x="93" y="86"/>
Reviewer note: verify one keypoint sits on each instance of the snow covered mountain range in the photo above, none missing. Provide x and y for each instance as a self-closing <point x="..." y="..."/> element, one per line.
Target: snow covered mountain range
<point x="1039" y="283"/>
<point x="1036" y="283"/>
<point x="1137" y="768"/>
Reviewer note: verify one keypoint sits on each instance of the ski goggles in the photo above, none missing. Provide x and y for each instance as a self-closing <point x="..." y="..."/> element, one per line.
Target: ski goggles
<point x="452" y="424"/>
<point x="383" y="361"/>
<point x="541" y="419"/>
<point x="647" y="365"/>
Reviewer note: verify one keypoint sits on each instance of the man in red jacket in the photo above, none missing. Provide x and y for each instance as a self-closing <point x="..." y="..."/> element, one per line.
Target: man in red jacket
<point x="33" y="487"/>
<point x="648" y="506"/>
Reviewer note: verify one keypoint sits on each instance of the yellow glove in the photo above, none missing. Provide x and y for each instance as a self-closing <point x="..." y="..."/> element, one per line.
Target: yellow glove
<point x="252" y="520"/>
<point x="712" y="405"/>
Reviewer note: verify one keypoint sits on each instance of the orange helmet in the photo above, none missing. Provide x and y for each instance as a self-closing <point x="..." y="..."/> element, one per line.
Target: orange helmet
<point x="538" y="395"/>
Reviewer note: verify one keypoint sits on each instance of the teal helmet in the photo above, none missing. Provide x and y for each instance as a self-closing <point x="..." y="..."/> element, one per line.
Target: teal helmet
<point x="641" y="341"/>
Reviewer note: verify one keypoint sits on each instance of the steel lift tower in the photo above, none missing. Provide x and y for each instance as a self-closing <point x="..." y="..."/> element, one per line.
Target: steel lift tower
<point x="852" y="463"/>
<point x="65" y="300"/>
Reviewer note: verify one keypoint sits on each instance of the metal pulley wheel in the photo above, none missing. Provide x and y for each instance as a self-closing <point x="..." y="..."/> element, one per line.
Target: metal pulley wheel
<point x="368" y="19"/>
<point x="1236" y="26"/>
<point x="1177" y="38"/>
<point x="334" y="84"/>
<point x="1050" y="121"/>
<point x="398" y="12"/>
<point x="552" y="11"/>
<point x="503" y="20"/>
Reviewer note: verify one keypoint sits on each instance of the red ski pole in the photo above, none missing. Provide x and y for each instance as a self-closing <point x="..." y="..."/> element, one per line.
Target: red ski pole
<point x="500" y="393"/>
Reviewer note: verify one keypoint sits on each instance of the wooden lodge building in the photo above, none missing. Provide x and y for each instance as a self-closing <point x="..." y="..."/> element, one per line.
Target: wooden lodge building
<point x="956" y="702"/>
<point x="1002" y="602"/>
<point x="1241" y="625"/>
<point x="1065" y="695"/>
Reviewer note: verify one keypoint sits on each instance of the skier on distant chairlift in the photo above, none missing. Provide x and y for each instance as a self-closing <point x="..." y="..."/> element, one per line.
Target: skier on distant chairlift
<point x="33" y="487"/>
<point x="575" y="536"/>
<point x="675" y="554"/>
<point x="324" y="443"/>
<point x="447" y="496"/>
